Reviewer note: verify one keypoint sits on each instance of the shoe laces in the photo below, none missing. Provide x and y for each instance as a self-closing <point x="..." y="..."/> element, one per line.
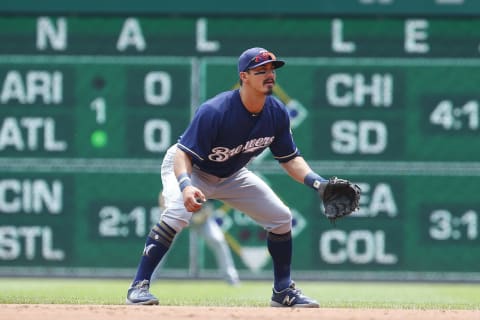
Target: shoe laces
<point x="143" y="285"/>
<point x="295" y="290"/>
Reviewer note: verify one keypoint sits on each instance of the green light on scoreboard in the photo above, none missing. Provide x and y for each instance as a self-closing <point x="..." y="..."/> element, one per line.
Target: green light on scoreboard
<point x="99" y="139"/>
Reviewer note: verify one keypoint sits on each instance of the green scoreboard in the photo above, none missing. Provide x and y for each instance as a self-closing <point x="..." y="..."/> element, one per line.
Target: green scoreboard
<point x="89" y="104"/>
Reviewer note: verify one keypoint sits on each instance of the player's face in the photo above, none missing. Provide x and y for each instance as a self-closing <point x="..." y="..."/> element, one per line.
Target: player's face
<point x="263" y="78"/>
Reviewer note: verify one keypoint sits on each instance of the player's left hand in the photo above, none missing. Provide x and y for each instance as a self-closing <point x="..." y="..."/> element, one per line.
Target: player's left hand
<point x="340" y="197"/>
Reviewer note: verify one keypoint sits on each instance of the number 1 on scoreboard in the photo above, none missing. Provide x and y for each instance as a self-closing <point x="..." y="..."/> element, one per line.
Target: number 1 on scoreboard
<point x="100" y="107"/>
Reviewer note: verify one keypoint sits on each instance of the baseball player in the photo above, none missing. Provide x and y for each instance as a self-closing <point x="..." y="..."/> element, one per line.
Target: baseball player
<point x="209" y="162"/>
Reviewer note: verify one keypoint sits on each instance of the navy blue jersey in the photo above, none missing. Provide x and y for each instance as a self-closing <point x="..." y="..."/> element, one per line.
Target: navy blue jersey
<point x="224" y="136"/>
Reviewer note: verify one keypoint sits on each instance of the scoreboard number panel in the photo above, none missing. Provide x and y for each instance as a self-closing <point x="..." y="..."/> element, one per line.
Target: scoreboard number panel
<point x="90" y="108"/>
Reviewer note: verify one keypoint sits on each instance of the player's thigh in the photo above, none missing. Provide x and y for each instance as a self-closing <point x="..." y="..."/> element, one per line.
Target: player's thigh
<point x="251" y="195"/>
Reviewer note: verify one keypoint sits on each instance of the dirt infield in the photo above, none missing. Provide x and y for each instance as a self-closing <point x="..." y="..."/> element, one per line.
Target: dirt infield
<point x="110" y="312"/>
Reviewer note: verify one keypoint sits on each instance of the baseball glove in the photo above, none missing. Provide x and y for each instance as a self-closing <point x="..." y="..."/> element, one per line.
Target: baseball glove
<point x="340" y="198"/>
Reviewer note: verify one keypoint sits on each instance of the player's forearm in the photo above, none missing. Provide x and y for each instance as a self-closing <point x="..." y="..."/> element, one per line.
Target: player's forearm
<point x="192" y="196"/>
<point x="297" y="168"/>
<point x="182" y="163"/>
<point x="301" y="172"/>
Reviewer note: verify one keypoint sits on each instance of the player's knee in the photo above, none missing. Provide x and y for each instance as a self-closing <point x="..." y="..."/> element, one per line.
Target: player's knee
<point x="176" y="217"/>
<point x="281" y="229"/>
<point x="175" y="223"/>
<point x="283" y="223"/>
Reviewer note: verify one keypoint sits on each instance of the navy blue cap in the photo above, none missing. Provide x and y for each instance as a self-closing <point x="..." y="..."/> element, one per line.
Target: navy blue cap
<point x="255" y="57"/>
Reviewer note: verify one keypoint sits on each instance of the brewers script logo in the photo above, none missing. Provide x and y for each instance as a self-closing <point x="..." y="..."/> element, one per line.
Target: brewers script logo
<point x="221" y="154"/>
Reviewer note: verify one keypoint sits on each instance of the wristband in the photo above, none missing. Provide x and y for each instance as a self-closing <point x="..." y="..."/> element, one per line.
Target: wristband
<point x="313" y="180"/>
<point x="184" y="181"/>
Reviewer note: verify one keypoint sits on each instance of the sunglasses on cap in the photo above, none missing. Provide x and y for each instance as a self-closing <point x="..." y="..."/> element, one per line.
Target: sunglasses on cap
<point x="255" y="57"/>
<point x="262" y="57"/>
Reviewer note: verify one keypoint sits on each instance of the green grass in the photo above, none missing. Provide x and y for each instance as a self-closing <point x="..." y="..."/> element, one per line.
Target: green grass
<point x="249" y="293"/>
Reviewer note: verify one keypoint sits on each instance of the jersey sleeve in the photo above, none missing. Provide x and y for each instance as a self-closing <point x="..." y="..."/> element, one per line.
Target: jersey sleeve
<point x="197" y="138"/>
<point x="283" y="147"/>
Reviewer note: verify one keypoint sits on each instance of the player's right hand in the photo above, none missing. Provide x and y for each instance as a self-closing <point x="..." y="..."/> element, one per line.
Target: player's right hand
<point x="193" y="198"/>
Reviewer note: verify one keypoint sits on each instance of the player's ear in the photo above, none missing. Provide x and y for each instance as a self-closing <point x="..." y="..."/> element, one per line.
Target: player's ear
<point x="243" y="76"/>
